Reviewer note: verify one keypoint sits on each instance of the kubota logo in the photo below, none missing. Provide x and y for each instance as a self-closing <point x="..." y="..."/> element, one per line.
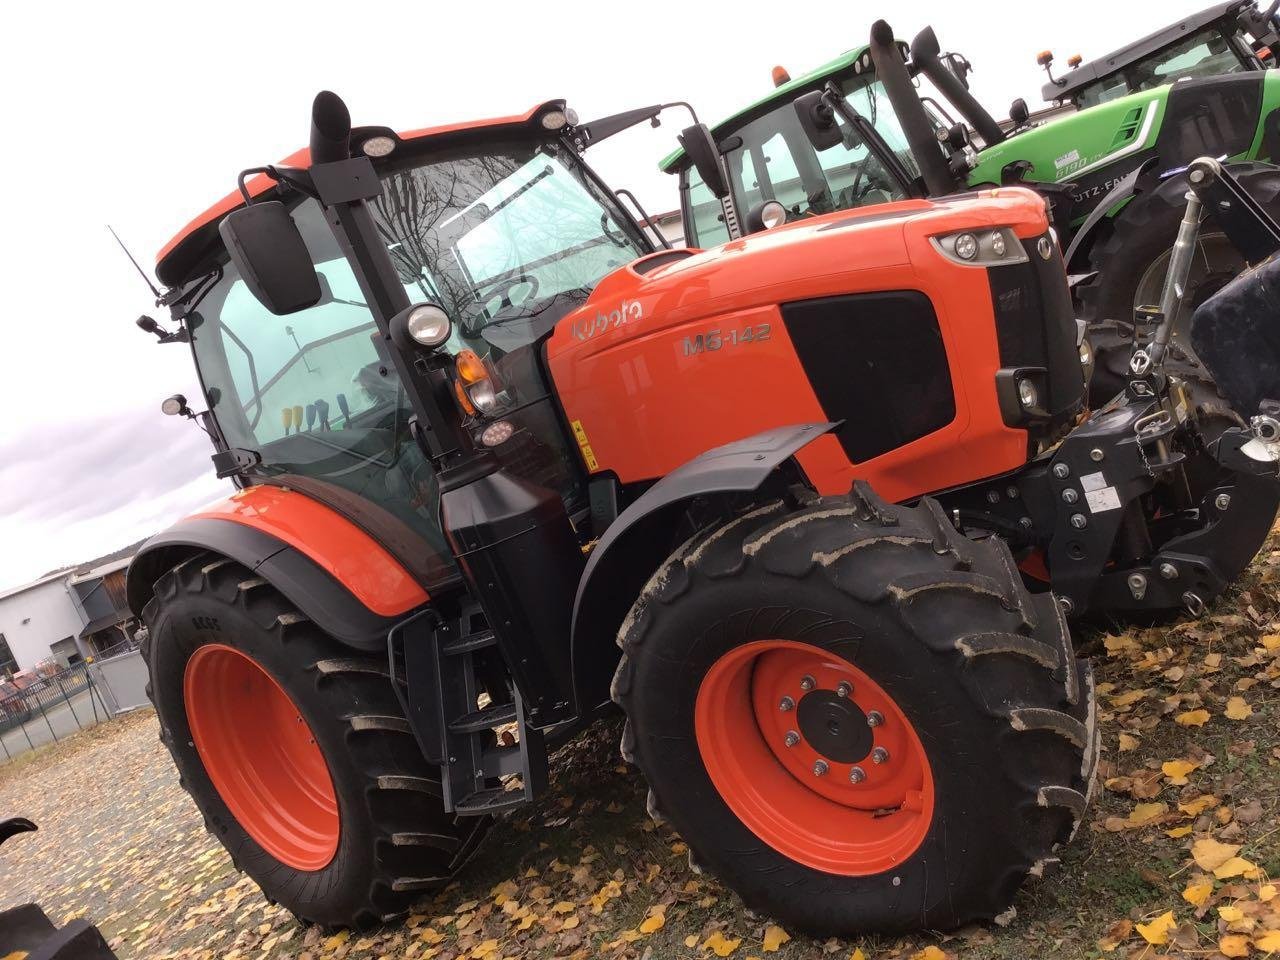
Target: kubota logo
<point x="627" y="312"/>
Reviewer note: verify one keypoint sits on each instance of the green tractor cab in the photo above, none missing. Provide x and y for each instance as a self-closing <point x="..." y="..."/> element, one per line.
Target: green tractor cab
<point x="1113" y="174"/>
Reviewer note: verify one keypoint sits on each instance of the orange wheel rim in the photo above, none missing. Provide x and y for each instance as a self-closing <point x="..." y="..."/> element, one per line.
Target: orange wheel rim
<point x="814" y="757"/>
<point x="261" y="756"/>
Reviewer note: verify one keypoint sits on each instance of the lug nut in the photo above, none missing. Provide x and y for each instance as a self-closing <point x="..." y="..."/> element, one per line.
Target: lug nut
<point x="820" y="768"/>
<point x="1026" y="523"/>
<point x="875" y="718"/>
<point x="806" y="683"/>
<point x="1137" y="585"/>
<point x="879" y="755"/>
<point x="993" y="496"/>
<point x="1079" y="521"/>
<point x="1069" y="495"/>
<point x="1168" y="571"/>
<point x="1066" y="604"/>
<point x="857" y="775"/>
<point x="786" y="703"/>
<point x="792" y="738"/>
<point x="843" y="689"/>
<point x="1061" y="471"/>
<point x="1222" y="501"/>
<point x="1096" y="455"/>
<point x="1012" y="493"/>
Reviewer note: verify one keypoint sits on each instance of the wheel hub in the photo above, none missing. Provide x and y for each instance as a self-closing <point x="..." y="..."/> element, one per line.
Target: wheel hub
<point x="814" y="757"/>
<point x="834" y="726"/>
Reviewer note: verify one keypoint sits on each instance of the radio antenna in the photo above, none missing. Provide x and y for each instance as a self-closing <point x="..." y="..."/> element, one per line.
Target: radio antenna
<point x="142" y="273"/>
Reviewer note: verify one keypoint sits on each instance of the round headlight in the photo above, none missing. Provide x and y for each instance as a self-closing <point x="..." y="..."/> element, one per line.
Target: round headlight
<point x="496" y="433"/>
<point x="997" y="243"/>
<point x="378" y="146"/>
<point x="429" y="325"/>
<point x="483" y="396"/>
<point x="1028" y="395"/>
<point x="172" y="406"/>
<point x="966" y="246"/>
<point x="773" y="214"/>
<point x="554" y="120"/>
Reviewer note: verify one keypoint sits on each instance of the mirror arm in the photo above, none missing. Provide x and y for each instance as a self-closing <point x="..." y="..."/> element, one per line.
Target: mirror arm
<point x="869" y="134"/>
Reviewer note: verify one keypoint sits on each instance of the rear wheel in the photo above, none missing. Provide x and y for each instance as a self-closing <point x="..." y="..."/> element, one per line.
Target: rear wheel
<point x="296" y="750"/>
<point x="857" y="718"/>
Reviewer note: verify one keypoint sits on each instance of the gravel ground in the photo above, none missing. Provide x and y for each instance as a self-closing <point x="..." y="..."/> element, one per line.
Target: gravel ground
<point x="1189" y="718"/>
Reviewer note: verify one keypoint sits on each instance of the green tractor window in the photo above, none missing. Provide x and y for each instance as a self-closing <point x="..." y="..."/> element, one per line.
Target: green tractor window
<point x="1206" y="53"/>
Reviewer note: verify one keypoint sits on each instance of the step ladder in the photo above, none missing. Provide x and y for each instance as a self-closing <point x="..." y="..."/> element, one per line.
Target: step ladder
<point x="436" y="658"/>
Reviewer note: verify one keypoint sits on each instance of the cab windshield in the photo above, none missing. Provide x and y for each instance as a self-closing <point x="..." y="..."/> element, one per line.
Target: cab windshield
<point x="1205" y="53"/>
<point x="776" y="161"/>
<point x="507" y="241"/>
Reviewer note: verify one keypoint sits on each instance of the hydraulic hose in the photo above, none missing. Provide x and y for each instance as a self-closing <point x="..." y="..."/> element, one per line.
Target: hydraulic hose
<point x="893" y="75"/>
<point x="925" y="54"/>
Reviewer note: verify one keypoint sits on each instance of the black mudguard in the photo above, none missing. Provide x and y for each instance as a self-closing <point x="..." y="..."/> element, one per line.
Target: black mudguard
<point x="639" y="541"/>
<point x="1236" y="334"/>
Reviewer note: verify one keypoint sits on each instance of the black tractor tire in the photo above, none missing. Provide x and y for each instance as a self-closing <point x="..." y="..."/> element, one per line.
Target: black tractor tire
<point x="1141" y="233"/>
<point x="395" y="839"/>
<point x="984" y="672"/>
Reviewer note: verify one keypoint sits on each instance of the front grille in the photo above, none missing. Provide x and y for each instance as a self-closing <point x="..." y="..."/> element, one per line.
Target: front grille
<point x="1035" y="322"/>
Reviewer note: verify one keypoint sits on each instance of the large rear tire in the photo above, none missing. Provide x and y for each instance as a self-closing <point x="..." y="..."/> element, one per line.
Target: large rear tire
<point x="942" y="741"/>
<point x="296" y="750"/>
<point x="1131" y="263"/>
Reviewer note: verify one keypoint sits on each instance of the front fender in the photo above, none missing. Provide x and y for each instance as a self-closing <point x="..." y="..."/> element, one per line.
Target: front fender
<point x="639" y="541"/>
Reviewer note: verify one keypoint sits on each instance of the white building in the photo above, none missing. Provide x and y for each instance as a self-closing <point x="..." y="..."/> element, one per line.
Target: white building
<point x="39" y="620"/>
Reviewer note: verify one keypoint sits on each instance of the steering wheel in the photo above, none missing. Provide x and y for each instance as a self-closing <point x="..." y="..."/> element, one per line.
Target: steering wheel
<point x="618" y="239"/>
<point x="503" y="293"/>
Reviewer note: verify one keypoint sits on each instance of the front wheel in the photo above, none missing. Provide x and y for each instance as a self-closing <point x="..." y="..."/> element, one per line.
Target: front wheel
<point x="296" y="750"/>
<point x="857" y="718"/>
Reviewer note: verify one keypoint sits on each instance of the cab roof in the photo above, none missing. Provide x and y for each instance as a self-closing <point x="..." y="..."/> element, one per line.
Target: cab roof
<point x="190" y="248"/>
<point x="809" y="81"/>
<point x="1072" y="82"/>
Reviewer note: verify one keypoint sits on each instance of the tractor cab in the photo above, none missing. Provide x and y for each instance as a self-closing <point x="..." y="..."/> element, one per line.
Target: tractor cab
<point x="1230" y="37"/>
<point x="500" y="224"/>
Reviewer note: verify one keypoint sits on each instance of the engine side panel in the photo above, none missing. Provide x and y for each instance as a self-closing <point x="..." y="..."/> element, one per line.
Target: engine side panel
<point x="656" y="369"/>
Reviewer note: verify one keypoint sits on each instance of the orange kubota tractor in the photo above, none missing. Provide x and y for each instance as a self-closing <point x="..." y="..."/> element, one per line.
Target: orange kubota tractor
<point x="485" y="432"/>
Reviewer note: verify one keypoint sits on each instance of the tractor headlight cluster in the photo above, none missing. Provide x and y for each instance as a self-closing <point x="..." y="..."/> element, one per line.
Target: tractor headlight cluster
<point x="988" y="247"/>
<point x="475" y="386"/>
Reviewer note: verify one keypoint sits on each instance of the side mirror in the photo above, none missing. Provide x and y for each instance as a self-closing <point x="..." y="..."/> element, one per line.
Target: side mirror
<point x="268" y="251"/>
<point x="958" y="66"/>
<point x="1018" y="112"/>
<point x="701" y="148"/>
<point x="818" y="120"/>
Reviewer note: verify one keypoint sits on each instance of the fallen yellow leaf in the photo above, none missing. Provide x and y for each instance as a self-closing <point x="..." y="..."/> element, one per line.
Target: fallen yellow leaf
<point x="857" y="954"/>
<point x="1178" y="832"/>
<point x="1157" y="931"/>
<point x="1267" y="892"/>
<point x="1193" y="808"/>
<point x="929" y="953"/>
<point x="337" y="940"/>
<point x="654" y="921"/>
<point x="1128" y="742"/>
<point x="1197" y="894"/>
<point x="1146" y="812"/>
<point x="16" y="955"/>
<point x="1192" y="718"/>
<point x="570" y="922"/>
<point x="564" y="906"/>
<point x="691" y="940"/>
<point x="719" y="945"/>
<point x="484" y="949"/>
<point x="1238" y="867"/>
<point x="1269" y="942"/>
<point x="1177" y="770"/>
<point x="1271" y="641"/>
<point x="1209" y="854"/>
<point x="1230" y="913"/>
<point x="774" y="937"/>
<point x="1234" y="945"/>
<point x="1237" y="709"/>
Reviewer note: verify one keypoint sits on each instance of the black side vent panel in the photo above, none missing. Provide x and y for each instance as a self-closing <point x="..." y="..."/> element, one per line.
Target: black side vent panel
<point x="1209" y="116"/>
<point x="877" y="362"/>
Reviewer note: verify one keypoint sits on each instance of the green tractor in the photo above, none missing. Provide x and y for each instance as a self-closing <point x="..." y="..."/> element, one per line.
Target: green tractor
<point x="860" y="131"/>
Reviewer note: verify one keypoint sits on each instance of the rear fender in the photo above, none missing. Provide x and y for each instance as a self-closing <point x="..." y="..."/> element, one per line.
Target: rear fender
<point x="637" y="543"/>
<point x="331" y="570"/>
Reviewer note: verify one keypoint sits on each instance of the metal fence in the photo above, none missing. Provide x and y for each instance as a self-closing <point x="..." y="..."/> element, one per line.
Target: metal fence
<point x="51" y="708"/>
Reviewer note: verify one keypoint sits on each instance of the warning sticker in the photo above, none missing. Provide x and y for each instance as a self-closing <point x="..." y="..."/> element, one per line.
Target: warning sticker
<point x="588" y="456"/>
<point x="1102" y="500"/>
<point x="1093" y="481"/>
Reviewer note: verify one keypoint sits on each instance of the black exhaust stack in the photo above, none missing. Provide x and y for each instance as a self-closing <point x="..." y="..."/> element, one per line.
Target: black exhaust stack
<point x="925" y="55"/>
<point x="915" y="123"/>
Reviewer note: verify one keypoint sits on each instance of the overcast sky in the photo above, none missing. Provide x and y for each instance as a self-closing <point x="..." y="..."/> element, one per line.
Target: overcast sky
<point x="140" y="115"/>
